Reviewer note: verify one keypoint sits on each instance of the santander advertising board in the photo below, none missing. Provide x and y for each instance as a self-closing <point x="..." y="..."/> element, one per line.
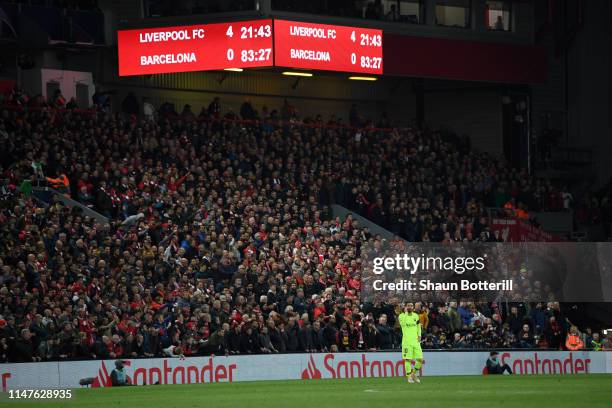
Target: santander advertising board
<point x="192" y="370"/>
<point x="330" y="365"/>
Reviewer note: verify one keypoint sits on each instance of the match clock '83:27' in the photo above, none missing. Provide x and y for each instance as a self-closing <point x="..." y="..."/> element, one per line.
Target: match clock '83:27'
<point x="262" y="54"/>
<point x="366" y="61"/>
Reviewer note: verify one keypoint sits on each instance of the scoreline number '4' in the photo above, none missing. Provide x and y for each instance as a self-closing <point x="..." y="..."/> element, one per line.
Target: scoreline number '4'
<point x="230" y="52"/>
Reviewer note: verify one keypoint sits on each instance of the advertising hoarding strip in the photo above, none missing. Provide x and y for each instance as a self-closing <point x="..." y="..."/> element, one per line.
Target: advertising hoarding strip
<point x="191" y="370"/>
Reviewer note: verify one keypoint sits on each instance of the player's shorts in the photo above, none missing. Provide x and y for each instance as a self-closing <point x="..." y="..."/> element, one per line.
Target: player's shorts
<point x="412" y="351"/>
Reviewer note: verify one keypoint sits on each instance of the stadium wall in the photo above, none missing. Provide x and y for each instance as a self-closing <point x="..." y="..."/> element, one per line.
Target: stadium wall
<point x="320" y="94"/>
<point x="589" y="87"/>
<point x="477" y="113"/>
<point x="467" y="107"/>
<point x="67" y="374"/>
<point x="36" y="81"/>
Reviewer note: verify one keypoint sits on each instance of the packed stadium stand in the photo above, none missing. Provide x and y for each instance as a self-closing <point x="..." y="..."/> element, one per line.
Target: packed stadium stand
<point x="175" y="210"/>
<point x="215" y="232"/>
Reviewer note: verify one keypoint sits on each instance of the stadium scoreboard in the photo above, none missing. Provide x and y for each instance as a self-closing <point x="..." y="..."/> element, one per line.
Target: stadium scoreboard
<point x="327" y="47"/>
<point x="201" y="47"/>
<point x="248" y="44"/>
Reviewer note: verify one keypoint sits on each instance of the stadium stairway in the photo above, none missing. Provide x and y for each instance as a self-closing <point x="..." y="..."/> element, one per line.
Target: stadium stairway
<point x="342" y="212"/>
<point x="45" y="195"/>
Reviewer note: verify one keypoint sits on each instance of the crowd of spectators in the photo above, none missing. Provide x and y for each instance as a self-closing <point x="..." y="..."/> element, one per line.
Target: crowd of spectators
<point x="220" y="237"/>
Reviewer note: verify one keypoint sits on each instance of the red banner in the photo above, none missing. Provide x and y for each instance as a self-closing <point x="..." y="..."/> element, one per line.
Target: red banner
<point x="464" y="60"/>
<point x="514" y="230"/>
<point x="6" y="86"/>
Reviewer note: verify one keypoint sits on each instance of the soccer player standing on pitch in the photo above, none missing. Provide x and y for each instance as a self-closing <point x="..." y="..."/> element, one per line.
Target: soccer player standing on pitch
<point x="411" y="342"/>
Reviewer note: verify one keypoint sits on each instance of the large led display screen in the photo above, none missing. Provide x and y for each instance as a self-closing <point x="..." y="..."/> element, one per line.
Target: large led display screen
<point x="195" y="48"/>
<point x="328" y="47"/>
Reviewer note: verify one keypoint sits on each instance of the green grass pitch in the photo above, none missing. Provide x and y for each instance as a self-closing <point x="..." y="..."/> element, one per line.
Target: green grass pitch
<point x="478" y="391"/>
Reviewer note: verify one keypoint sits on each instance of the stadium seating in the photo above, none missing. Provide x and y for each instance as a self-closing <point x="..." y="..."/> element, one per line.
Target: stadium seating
<point x="221" y="239"/>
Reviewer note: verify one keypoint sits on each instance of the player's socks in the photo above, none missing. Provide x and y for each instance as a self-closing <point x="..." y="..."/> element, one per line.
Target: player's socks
<point x="417" y="367"/>
<point x="411" y="375"/>
<point x="408" y="366"/>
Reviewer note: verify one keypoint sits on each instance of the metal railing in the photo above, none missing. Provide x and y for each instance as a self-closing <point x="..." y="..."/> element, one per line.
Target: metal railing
<point x="45" y="194"/>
